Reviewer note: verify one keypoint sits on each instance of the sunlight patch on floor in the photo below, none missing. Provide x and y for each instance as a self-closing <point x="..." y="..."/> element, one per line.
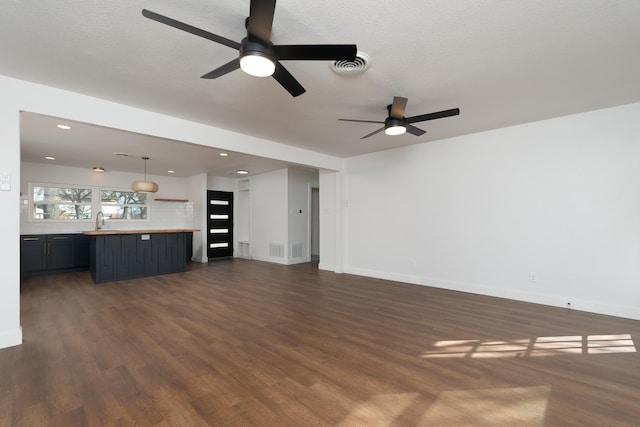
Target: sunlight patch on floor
<point x="518" y="406"/>
<point x="533" y="347"/>
<point x="379" y="411"/>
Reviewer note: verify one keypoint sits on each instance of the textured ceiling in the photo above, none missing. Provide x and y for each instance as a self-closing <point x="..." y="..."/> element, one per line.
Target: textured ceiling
<point x="501" y="62"/>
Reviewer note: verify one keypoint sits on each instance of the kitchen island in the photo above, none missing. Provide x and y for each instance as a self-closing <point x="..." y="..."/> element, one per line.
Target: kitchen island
<point x="129" y="254"/>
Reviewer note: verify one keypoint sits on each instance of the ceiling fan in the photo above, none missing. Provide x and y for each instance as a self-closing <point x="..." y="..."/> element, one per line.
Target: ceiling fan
<point x="258" y="56"/>
<point x="397" y="124"/>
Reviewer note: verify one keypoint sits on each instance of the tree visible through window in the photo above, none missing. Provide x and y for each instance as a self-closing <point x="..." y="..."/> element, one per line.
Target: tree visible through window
<point x="61" y="203"/>
<point x="116" y="204"/>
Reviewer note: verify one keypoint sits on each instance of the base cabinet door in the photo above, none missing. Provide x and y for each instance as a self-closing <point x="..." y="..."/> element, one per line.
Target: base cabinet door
<point x="125" y="256"/>
<point x="103" y="258"/>
<point x="53" y="253"/>
<point x="60" y="251"/>
<point x="82" y="249"/>
<point x="33" y="253"/>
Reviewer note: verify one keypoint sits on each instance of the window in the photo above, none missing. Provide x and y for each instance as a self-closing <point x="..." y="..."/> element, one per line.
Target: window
<point x="60" y="203"/>
<point x="55" y="202"/>
<point x="116" y="204"/>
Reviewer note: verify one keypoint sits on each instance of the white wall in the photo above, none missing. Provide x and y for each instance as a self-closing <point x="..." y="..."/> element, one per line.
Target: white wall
<point x="559" y="199"/>
<point x="197" y="192"/>
<point x="242" y="212"/>
<point x="269" y="214"/>
<point x="10" y="330"/>
<point x="216" y="183"/>
<point x="331" y="221"/>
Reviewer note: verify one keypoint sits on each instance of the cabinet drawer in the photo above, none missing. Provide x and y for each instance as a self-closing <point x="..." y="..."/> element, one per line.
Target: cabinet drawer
<point x="56" y="238"/>
<point x="33" y="239"/>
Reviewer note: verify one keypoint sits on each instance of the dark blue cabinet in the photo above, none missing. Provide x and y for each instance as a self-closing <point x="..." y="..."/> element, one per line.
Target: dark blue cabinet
<point x="53" y="253"/>
<point x="129" y="256"/>
<point x="33" y="253"/>
<point x="60" y="251"/>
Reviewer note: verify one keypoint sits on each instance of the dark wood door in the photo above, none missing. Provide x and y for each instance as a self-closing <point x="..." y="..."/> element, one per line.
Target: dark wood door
<point x="219" y="224"/>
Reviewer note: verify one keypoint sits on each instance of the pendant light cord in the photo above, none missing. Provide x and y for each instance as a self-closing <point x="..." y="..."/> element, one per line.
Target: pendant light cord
<point x="145" y="167"/>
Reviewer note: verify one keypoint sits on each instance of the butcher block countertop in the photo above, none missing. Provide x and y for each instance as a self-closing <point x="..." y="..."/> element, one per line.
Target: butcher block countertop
<point x="107" y="232"/>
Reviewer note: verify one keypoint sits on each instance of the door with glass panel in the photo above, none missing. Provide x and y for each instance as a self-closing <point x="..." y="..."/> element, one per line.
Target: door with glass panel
<point x="219" y="224"/>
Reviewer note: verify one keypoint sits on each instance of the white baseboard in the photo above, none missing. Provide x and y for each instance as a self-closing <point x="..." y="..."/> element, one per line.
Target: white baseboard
<point x="626" y="311"/>
<point x="325" y="266"/>
<point x="270" y="259"/>
<point x="11" y="337"/>
<point x="299" y="260"/>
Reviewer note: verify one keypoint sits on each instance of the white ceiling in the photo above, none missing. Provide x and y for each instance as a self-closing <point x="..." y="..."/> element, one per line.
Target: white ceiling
<point x="501" y="62"/>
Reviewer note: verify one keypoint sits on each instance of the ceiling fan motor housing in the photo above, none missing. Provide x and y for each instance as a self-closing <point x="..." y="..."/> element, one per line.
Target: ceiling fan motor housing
<point x="393" y="121"/>
<point x="254" y="49"/>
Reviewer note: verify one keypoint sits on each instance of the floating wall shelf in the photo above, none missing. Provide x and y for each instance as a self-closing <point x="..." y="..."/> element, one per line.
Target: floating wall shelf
<point x="172" y="200"/>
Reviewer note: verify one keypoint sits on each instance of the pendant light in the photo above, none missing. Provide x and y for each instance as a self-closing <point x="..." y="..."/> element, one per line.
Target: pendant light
<point x="144" y="186"/>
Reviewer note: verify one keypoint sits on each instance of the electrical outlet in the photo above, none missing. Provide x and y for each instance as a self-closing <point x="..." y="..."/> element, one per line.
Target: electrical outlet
<point x="532" y="277"/>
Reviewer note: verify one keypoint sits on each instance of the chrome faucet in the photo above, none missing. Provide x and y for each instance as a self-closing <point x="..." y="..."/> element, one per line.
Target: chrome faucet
<point x="98" y="224"/>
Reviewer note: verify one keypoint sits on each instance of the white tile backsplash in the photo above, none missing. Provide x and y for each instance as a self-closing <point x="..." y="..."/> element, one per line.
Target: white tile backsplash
<point x="162" y="215"/>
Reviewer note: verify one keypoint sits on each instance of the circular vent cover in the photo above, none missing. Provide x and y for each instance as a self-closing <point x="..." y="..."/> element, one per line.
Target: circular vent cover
<point x="357" y="66"/>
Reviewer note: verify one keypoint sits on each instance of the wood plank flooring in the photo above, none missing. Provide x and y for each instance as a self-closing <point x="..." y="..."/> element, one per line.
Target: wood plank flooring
<point x="245" y="343"/>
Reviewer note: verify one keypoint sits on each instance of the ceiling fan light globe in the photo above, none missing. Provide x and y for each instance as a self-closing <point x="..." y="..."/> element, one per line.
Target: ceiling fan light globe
<point x="256" y="64"/>
<point x="395" y="130"/>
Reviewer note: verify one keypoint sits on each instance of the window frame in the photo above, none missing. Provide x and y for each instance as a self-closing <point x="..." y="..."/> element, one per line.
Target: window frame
<point x="146" y="205"/>
<point x="95" y="205"/>
<point x="33" y="202"/>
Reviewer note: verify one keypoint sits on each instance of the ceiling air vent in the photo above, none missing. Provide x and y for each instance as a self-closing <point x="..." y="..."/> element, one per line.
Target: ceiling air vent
<point x="357" y="66"/>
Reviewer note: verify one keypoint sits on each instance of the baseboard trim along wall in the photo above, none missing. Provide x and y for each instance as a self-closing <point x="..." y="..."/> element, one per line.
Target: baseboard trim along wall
<point x="597" y="307"/>
<point x="11" y="338"/>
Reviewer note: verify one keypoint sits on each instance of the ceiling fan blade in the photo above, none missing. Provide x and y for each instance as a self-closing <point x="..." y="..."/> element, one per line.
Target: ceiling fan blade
<point x="319" y="52"/>
<point x="398" y="107"/>
<point x="414" y="130"/>
<point x="221" y="71"/>
<point x="261" y="19"/>
<point x="373" y="133"/>
<point x="433" y="116"/>
<point x="360" y="121"/>
<point x="287" y="81"/>
<point x="190" y="29"/>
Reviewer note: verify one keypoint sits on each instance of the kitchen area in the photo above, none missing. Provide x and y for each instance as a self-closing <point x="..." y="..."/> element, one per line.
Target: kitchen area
<point x="76" y="219"/>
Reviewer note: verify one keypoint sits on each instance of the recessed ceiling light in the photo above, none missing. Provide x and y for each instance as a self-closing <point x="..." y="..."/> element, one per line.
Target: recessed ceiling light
<point x="242" y="172"/>
<point x="223" y="154"/>
<point x="50" y="158"/>
<point x="171" y="171"/>
<point x="65" y="127"/>
<point x="98" y="169"/>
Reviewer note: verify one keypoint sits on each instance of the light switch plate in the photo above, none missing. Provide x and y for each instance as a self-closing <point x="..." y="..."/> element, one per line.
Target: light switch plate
<point x="5" y="181"/>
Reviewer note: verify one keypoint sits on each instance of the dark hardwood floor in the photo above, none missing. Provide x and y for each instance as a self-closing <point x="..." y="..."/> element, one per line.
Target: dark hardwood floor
<point x="247" y="343"/>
